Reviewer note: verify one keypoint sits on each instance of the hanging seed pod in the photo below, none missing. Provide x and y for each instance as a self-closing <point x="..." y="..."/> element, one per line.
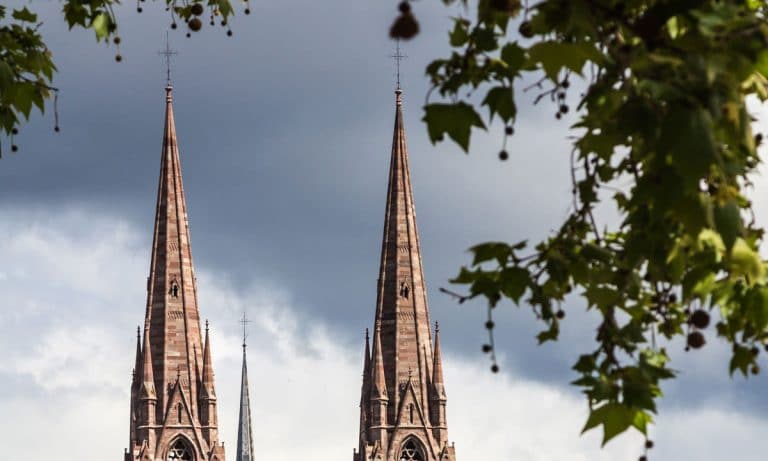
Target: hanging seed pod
<point x="404" y="27"/>
<point x="195" y="23"/>
<point x="696" y="340"/>
<point x="197" y="9"/>
<point x="700" y="319"/>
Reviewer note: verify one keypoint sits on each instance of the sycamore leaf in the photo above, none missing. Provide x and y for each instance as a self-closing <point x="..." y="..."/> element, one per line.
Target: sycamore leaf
<point x="100" y="25"/>
<point x="455" y="120"/>
<point x="745" y="261"/>
<point x="514" y="56"/>
<point x="24" y="15"/>
<point x="500" y="100"/>
<point x="554" y="56"/>
<point x="615" y="419"/>
<point x="728" y="223"/>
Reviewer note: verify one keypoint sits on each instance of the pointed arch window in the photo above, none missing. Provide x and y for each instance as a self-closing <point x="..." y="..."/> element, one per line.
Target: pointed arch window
<point x="174" y="290"/>
<point x="180" y="452"/>
<point x="411" y="451"/>
<point x="404" y="290"/>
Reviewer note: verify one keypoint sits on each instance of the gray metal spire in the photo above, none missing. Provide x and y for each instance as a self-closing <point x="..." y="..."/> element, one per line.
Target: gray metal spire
<point x="244" y="432"/>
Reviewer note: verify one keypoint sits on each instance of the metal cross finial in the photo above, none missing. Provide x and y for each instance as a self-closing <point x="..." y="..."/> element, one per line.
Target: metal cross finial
<point x="244" y="322"/>
<point x="398" y="56"/>
<point x="168" y="53"/>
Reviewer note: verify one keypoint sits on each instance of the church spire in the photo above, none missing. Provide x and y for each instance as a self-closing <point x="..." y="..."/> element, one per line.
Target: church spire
<point x="173" y="342"/>
<point x="365" y="393"/>
<point x="400" y="400"/>
<point x="244" y="430"/>
<point x="437" y="378"/>
<point x="148" y="377"/>
<point x="137" y="362"/>
<point x="378" y="383"/>
<point x="402" y="302"/>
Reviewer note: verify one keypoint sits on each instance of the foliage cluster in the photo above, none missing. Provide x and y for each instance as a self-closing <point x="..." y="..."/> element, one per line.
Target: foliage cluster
<point x="26" y="63"/>
<point x="664" y="136"/>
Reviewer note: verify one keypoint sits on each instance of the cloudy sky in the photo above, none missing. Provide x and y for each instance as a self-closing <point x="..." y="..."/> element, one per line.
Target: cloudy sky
<point x="285" y="132"/>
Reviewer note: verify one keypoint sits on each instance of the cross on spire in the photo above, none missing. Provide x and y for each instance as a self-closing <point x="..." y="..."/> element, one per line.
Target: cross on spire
<point x="244" y="322"/>
<point x="398" y="56"/>
<point x="167" y="53"/>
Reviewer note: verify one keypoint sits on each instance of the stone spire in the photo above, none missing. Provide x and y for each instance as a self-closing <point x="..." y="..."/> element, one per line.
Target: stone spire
<point x="437" y="378"/>
<point x="147" y="390"/>
<point x="135" y="386"/>
<point x="244" y="430"/>
<point x="365" y="391"/>
<point x="208" y="387"/>
<point x="402" y="348"/>
<point x="172" y="335"/>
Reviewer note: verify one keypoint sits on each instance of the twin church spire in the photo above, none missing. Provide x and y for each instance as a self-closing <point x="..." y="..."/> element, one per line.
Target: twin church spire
<point x="173" y="399"/>
<point x="402" y="404"/>
<point x="173" y="394"/>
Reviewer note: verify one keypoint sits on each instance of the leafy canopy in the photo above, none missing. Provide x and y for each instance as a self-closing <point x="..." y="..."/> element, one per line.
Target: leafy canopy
<point x="26" y="63"/>
<point x="663" y="134"/>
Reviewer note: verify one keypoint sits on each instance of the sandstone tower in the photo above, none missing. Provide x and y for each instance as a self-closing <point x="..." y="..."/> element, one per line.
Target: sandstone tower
<point x="403" y="400"/>
<point x="173" y="397"/>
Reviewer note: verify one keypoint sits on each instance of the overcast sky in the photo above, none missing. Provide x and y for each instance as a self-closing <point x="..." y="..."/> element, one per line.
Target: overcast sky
<point x="285" y="132"/>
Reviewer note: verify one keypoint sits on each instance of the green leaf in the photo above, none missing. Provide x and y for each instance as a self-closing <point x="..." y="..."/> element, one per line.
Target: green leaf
<point x="459" y="35"/>
<point x="728" y="223"/>
<point x="585" y="364"/>
<point x="746" y="262"/>
<point x="757" y="308"/>
<point x="741" y="359"/>
<point x="514" y="281"/>
<point x="225" y="8"/>
<point x="6" y="76"/>
<point x="602" y="297"/>
<point x="514" y="56"/>
<point x="554" y="56"/>
<point x="615" y="419"/>
<point x="687" y="134"/>
<point x="455" y="120"/>
<point x="491" y="250"/>
<point x="500" y="100"/>
<point x="548" y="335"/>
<point x="24" y="15"/>
<point x="100" y="26"/>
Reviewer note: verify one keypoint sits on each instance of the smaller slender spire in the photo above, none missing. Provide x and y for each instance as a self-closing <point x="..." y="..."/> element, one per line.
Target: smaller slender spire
<point x="244" y="430"/>
<point x="438" y="384"/>
<point x="137" y="362"/>
<point x="367" y="358"/>
<point x="379" y="385"/>
<point x="207" y="365"/>
<point x="148" y="378"/>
